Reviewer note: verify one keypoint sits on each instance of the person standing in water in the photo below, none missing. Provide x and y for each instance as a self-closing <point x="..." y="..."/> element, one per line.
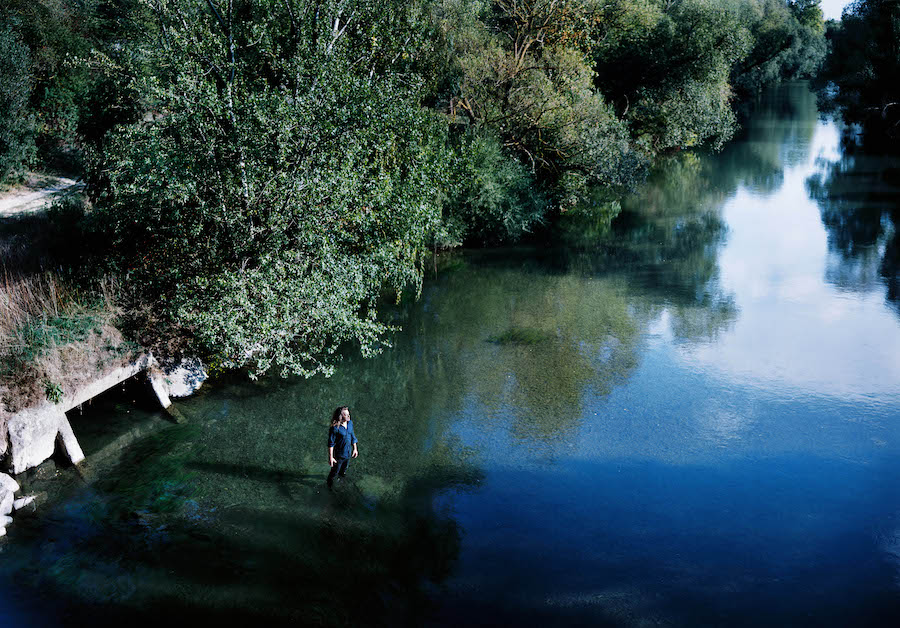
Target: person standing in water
<point x="341" y="443"/>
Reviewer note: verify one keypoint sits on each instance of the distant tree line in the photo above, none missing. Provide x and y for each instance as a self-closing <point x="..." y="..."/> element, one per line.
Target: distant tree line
<point x="864" y="66"/>
<point x="262" y="172"/>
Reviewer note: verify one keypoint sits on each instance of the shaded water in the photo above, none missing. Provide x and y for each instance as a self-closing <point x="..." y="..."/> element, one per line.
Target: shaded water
<point x="690" y="417"/>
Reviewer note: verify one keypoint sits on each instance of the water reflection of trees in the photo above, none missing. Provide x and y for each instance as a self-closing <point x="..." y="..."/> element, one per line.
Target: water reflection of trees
<point x="664" y="245"/>
<point x="526" y="344"/>
<point x="665" y="239"/>
<point x="523" y="335"/>
<point x="777" y="134"/>
<point x="859" y="199"/>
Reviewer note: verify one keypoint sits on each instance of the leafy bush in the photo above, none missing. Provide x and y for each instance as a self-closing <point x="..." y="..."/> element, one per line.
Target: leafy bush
<point x="53" y="391"/>
<point x="279" y="191"/>
<point x="16" y="125"/>
<point x="493" y="197"/>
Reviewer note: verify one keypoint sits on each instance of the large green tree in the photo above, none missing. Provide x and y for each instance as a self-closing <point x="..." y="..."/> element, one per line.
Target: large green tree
<point x="519" y="71"/>
<point x="788" y="43"/>
<point x="285" y="178"/>
<point x="70" y="99"/>
<point x="667" y="67"/>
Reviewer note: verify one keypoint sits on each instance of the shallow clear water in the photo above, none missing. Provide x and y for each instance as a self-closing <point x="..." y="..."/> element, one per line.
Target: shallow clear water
<point x="689" y="418"/>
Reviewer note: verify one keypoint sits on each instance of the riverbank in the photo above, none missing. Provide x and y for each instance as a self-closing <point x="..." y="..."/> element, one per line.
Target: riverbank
<point x="61" y="345"/>
<point x="33" y="434"/>
<point x="55" y="340"/>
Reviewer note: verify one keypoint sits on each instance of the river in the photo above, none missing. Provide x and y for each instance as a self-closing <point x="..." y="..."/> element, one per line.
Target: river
<point x="688" y="417"/>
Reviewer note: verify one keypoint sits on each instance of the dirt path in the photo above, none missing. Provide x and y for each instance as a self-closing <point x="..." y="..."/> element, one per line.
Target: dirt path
<point x="36" y="194"/>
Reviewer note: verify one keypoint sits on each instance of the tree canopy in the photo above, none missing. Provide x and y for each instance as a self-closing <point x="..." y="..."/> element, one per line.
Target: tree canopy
<point x="265" y="172"/>
<point x="265" y="217"/>
<point x="864" y="63"/>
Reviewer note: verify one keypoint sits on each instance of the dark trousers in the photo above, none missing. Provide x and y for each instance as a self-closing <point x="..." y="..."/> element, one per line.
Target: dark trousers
<point x="339" y="468"/>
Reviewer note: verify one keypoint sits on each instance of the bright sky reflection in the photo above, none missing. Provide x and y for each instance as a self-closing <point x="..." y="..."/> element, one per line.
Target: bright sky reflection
<point x="795" y="329"/>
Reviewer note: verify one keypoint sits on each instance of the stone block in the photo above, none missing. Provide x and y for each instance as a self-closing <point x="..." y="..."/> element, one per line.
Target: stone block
<point x="158" y="384"/>
<point x="6" y="502"/>
<point x="68" y="442"/>
<point x="8" y="483"/>
<point x="20" y="503"/>
<point x="32" y="435"/>
<point x="104" y="383"/>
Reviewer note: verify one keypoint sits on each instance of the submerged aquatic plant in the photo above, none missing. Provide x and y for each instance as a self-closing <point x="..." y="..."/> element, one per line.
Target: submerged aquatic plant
<point x="521" y="336"/>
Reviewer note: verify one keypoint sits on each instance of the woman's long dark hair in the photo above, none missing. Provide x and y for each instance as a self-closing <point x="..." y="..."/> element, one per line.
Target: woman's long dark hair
<point x="336" y="415"/>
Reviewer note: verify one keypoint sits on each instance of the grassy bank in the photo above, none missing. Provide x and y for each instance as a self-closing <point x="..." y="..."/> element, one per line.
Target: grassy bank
<point x="57" y="332"/>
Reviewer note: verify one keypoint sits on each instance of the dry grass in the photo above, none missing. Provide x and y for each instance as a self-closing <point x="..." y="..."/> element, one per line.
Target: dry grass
<point x="24" y="298"/>
<point x="54" y="337"/>
<point x="53" y="340"/>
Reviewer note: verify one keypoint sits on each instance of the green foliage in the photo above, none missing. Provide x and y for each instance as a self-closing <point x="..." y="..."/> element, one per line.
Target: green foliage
<point x="16" y="141"/>
<point x="81" y="71"/>
<point x="492" y="197"/>
<point x="41" y="334"/>
<point x="282" y="187"/>
<point x="789" y="43"/>
<point x="53" y="391"/>
<point x="809" y="13"/>
<point x="39" y="347"/>
<point x="667" y="67"/>
<point x="56" y="36"/>
<point x="518" y="70"/>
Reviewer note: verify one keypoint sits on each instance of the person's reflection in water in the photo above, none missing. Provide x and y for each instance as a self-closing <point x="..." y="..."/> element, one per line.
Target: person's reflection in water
<point x="341" y="444"/>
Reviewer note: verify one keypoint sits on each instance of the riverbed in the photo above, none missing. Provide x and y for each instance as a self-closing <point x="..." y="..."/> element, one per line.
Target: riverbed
<point x="687" y="417"/>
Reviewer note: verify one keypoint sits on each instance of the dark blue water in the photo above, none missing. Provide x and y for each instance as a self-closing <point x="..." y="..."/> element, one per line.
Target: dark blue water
<point x="687" y="417"/>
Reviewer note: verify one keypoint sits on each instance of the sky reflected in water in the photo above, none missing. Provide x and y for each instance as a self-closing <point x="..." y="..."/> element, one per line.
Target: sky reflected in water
<point x="798" y="331"/>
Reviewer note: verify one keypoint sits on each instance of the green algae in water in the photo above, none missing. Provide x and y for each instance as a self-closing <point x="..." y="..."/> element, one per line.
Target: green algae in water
<point x="521" y="336"/>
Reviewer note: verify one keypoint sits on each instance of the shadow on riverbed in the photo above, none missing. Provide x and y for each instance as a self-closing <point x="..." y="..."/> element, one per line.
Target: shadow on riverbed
<point x="276" y="476"/>
<point x="149" y="546"/>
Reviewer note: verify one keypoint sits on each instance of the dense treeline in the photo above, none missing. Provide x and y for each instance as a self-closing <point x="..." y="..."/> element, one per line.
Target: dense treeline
<point x="864" y="64"/>
<point x="263" y="171"/>
<point x="56" y="99"/>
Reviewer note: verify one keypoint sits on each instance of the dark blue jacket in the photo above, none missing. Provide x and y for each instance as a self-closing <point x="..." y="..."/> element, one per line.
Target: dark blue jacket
<point x="342" y="439"/>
